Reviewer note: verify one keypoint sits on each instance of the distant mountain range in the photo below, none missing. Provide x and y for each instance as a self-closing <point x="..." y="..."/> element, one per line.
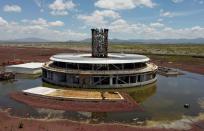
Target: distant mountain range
<point x="156" y="41"/>
<point x="148" y="41"/>
<point x="27" y="40"/>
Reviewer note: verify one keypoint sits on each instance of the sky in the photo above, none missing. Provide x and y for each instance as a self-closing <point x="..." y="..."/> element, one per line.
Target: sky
<point x="63" y="20"/>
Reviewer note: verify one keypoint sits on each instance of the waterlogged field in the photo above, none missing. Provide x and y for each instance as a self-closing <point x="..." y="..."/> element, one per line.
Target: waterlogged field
<point x="159" y="102"/>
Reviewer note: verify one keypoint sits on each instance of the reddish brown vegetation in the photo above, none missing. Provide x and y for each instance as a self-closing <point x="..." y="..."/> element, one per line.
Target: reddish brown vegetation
<point x="8" y="123"/>
<point x="193" y="67"/>
<point x="13" y="62"/>
<point x="9" y="54"/>
<point x="28" y="54"/>
<point x="128" y="104"/>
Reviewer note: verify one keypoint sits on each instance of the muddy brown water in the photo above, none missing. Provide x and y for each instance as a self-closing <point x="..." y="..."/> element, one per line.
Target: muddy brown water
<point x="163" y="100"/>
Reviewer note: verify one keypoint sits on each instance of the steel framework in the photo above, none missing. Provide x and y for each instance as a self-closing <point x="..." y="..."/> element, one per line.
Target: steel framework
<point x="99" y="43"/>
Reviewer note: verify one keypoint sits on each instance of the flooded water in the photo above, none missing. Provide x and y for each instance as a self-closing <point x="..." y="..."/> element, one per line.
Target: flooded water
<point x="163" y="100"/>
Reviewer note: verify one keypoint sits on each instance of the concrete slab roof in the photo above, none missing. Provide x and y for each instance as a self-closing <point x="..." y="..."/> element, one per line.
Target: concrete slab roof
<point x="113" y="58"/>
<point x="31" y="65"/>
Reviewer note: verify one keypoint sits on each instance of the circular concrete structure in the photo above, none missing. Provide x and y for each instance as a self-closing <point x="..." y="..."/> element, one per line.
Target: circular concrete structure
<point x="114" y="71"/>
<point x="113" y="58"/>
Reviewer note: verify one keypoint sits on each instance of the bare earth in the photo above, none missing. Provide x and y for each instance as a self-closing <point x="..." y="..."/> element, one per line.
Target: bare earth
<point x="8" y="123"/>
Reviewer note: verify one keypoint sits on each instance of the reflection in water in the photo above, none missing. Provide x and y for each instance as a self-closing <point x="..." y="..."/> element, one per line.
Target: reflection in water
<point x="51" y="113"/>
<point x="162" y="100"/>
<point x="97" y="117"/>
<point x="28" y="76"/>
<point x="141" y="94"/>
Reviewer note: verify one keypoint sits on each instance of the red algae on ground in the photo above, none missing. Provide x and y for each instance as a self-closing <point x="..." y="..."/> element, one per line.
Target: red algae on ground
<point x="127" y="104"/>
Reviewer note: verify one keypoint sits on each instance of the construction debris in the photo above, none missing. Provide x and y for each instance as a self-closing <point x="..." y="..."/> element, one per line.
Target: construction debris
<point x="6" y="76"/>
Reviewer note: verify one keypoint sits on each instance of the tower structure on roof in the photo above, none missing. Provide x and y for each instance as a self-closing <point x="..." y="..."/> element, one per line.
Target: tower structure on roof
<point x="99" y="43"/>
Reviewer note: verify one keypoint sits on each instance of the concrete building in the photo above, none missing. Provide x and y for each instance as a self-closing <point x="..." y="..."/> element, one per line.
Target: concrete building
<point x="99" y="69"/>
<point x="27" y="68"/>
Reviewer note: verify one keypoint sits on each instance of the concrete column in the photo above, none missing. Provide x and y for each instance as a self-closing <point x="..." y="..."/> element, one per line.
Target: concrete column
<point x="92" y="67"/>
<point x="78" y="66"/>
<point x="47" y="74"/>
<point x="66" y="66"/>
<point x="117" y="79"/>
<point x="145" y="77"/>
<point x="111" y="80"/>
<point x="128" y="79"/>
<point x="100" y="80"/>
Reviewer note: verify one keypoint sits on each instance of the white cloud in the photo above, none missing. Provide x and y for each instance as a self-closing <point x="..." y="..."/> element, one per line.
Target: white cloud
<point x="201" y="2"/>
<point x="12" y="8"/>
<point x="3" y="22"/>
<point x="167" y="13"/>
<point x="156" y="25"/>
<point x="40" y="4"/>
<point x="99" y="18"/>
<point x="40" y="22"/>
<point x="177" y="1"/>
<point x="120" y="25"/>
<point x="123" y="4"/>
<point x="37" y="28"/>
<point x="160" y="20"/>
<point x="121" y="28"/>
<point x="56" y="23"/>
<point x="61" y="7"/>
<point x="59" y="13"/>
<point x="181" y="13"/>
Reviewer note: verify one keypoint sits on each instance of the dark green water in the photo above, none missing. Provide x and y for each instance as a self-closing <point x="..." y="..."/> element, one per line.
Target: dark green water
<point x="163" y="100"/>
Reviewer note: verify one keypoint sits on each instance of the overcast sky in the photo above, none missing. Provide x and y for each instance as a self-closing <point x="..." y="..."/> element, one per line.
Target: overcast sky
<point x="63" y="20"/>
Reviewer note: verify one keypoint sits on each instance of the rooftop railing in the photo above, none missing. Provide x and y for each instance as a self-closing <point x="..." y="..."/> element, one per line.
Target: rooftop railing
<point x="149" y="68"/>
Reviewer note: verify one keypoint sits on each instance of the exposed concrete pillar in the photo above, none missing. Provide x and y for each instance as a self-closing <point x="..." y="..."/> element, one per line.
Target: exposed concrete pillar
<point x="122" y="66"/>
<point x="92" y="67"/>
<point x="117" y="79"/>
<point x="66" y="66"/>
<point x="78" y="66"/>
<point x="128" y="79"/>
<point x="111" y="80"/>
<point x="48" y="74"/>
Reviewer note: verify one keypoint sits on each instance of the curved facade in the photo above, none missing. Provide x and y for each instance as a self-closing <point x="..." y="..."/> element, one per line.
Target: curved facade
<point x="84" y="71"/>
